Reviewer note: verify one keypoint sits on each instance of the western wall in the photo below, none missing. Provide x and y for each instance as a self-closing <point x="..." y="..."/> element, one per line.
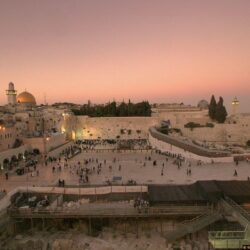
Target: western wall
<point x="236" y="128"/>
<point x="114" y="127"/>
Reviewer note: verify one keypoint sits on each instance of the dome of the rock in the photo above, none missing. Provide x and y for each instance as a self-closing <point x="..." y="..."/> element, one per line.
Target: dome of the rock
<point x="26" y="98"/>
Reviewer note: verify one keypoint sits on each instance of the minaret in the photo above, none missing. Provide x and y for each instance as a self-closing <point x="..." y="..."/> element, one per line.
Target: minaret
<point x="235" y="106"/>
<point x="11" y="94"/>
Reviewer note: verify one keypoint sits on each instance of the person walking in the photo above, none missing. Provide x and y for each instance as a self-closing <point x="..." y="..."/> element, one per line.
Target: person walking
<point x="235" y="173"/>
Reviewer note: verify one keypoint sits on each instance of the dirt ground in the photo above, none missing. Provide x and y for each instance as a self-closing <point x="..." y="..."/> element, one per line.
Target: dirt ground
<point x="107" y="240"/>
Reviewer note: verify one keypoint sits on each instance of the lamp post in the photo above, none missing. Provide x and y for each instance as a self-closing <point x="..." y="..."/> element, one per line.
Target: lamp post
<point x="45" y="139"/>
<point x="27" y="180"/>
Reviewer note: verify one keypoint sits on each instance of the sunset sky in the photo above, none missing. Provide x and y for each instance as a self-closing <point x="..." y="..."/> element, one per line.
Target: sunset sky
<point x="159" y="50"/>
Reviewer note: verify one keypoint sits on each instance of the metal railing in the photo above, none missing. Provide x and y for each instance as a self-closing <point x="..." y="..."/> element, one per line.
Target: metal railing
<point x="194" y="226"/>
<point x="222" y="235"/>
<point x="238" y="208"/>
<point x="187" y="146"/>
<point x="107" y="211"/>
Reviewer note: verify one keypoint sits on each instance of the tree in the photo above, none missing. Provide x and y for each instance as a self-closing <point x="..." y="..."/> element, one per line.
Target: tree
<point x="212" y="108"/>
<point x="220" y="112"/>
<point x="111" y="109"/>
<point x="130" y="108"/>
<point x="122" y="109"/>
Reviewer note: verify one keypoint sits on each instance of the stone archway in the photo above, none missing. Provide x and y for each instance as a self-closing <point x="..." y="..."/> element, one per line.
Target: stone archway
<point x="14" y="158"/>
<point x="13" y="161"/>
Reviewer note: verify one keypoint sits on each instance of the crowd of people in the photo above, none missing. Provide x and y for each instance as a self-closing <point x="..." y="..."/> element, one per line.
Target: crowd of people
<point x="141" y="205"/>
<point x="94" y="166"/>
<point x="114" y="144"/>
<point x="85" y="168"/>
<point x="149" y="160"/>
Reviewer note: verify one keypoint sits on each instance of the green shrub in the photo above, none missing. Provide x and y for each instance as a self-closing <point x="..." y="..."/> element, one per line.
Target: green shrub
<point x="192" y="125"/>
<point x="209" y="125"/>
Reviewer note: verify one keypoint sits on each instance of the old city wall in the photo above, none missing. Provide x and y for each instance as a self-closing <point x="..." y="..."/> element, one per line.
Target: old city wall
<point x="235" y="130"/>
<point x="84" y="127"/>
<point x="166" y="147"/>
<point x="178" y="119"/>
<point x="48" y="143"/>
<point x="221" y="133"/>
<point x="110" y="127"/>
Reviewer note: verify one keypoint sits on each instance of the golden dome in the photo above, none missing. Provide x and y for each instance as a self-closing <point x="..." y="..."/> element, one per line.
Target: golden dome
<point x="26" y="98"/>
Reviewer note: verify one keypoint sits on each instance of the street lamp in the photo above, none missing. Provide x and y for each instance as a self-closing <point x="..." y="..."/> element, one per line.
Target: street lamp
<point x="44" y="141"/>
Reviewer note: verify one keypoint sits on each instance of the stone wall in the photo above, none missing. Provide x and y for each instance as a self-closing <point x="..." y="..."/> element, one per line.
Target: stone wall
<point x="221" y="133"/>
<point x="166" y="147"/>
<point x="84" y="127"/>
<point x="110" y="127"/>
<point x="8" y="136"/>
<point x="49" y="143"/>
<point x="178" y="119"/>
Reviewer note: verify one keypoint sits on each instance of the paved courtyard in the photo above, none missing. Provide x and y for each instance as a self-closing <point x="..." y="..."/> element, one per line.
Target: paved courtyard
<point x="132" y="166"/>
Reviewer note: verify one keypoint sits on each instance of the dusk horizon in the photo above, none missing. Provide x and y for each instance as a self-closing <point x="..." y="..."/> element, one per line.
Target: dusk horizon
<point x="168" y="51"/>
<point x="124" y="124"/>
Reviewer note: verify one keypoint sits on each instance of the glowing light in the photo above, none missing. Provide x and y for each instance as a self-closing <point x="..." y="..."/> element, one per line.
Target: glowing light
<point x="63" y="130"/>
<point x="235" y="101"/>
<point x="73" y="135"/>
